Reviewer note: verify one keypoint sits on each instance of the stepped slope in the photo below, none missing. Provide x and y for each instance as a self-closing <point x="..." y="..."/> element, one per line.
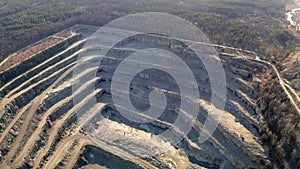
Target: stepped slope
<point x="41" y="128"/>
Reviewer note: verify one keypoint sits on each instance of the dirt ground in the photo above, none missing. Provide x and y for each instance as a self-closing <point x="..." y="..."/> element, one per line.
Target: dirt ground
<point x="30" y="51"/>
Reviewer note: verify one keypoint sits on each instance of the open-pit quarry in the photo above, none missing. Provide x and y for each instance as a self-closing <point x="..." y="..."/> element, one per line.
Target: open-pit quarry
<point x="40" y="126"/>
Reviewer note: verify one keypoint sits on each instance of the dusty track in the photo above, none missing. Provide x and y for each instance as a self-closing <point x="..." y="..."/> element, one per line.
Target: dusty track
<point x="36" y="102"/>
<point x="42" y="64"/>
<point x="284" y="85"/>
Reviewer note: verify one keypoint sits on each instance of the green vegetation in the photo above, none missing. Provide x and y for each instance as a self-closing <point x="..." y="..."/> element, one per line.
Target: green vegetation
<point x="254" y="25"/>
<point x="280" y="128"/>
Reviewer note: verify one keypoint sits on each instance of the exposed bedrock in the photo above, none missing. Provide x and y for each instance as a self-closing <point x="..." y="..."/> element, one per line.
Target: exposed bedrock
<point x="57" y="136"/>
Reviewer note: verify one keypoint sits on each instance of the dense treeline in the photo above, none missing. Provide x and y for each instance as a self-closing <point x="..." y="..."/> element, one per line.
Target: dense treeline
<point x="280" y="129"/>
<point x="253" y="25"/>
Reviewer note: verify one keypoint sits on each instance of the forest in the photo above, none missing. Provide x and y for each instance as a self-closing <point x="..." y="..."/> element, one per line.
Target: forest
<point x="254" y="25"/>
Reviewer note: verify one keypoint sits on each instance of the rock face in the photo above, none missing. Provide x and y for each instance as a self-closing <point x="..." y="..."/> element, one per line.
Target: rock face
<point x="40" y="126"/>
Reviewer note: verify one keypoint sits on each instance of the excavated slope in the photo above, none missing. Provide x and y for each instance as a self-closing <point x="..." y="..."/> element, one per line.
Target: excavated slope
<point x="39" y="126"/>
